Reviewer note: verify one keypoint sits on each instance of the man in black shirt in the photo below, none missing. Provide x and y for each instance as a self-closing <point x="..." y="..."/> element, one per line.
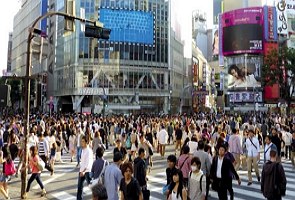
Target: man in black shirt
<point x="120" y="149"/>
<point x="178" y="136"/>
<point x="277" y="141"/>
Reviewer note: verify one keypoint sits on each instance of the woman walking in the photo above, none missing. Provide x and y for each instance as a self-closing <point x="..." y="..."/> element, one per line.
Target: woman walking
<point x="34" y="159"/>
<point x="177" y="190"/>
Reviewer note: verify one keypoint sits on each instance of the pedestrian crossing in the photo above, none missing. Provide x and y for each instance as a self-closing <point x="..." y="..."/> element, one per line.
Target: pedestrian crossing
<point x="241" y="192"/>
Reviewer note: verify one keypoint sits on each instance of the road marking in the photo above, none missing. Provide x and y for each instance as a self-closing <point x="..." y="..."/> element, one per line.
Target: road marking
<point x="63" y="196"/>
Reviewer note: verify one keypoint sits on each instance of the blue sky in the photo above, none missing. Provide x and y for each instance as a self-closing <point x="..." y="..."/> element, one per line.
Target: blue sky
<point x="11" y="7"/>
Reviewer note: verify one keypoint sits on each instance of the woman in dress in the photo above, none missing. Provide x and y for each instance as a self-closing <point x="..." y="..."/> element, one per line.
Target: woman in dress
<point x="177" y="190"/>
<point x="72" y="144"/>
<point x="129" y="186"/>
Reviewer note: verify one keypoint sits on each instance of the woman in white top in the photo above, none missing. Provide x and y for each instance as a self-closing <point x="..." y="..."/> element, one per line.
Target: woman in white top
<point x="72" y="144"/>
<point x="177" y="190"/>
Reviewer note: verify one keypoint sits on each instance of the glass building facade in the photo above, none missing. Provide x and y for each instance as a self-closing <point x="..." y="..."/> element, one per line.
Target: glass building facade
<point x="131" y="70"/>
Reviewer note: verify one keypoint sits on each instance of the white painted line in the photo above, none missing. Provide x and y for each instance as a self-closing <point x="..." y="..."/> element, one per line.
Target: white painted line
<point x="64" y="196"/>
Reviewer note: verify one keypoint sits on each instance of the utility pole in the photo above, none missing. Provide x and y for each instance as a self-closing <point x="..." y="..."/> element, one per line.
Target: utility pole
<point x="97" y="31"/>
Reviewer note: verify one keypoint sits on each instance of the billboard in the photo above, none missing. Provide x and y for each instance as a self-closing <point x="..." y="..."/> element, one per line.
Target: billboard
<point x="270" y="24"/>
<point x="242" y="31"/>
<point x="129" y="25"/>
<point x="244" y="72"/>
<point x="215" y="41"/>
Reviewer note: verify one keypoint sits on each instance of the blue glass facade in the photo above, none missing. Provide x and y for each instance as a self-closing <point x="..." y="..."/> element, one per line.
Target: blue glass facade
<point x="129" y="25"/>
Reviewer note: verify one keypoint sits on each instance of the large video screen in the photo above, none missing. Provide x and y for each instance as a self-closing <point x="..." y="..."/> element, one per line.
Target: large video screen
<point x="242" y="31"/>
<point x="244" y="71"/>
<point x="129" y="25"/>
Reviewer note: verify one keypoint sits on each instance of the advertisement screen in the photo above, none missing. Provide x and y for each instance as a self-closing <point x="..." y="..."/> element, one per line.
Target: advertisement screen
<point x="129" y="25"/>
<point x="242" y="31"/>
<point x="244" y="72"/>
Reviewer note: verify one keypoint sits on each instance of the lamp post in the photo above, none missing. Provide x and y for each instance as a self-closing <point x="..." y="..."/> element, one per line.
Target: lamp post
<point x="32" y="31"/>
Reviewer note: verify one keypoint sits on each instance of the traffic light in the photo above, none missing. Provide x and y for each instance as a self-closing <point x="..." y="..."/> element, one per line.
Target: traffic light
<point x="97" y="32"/>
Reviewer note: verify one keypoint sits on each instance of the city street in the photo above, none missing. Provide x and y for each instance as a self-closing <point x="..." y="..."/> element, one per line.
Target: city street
<point x="63" y="185"/>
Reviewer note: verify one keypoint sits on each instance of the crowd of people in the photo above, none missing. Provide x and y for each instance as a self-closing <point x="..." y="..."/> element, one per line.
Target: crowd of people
<point x="210" y="149"/>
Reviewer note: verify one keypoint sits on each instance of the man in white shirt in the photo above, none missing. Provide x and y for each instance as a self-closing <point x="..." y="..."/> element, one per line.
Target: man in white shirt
<point x="162" y="137"/>
<point x="252" y="145"/>
<point x="85" y="167"/>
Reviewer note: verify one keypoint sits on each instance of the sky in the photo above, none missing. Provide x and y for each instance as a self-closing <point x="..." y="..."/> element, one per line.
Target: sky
<point x="7" y="13"/>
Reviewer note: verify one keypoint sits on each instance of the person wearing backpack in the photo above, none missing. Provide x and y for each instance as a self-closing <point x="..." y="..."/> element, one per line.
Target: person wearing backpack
<point x="196" y="181"/>
<point x="273" y="178"/>
<point x="99" y="166"/>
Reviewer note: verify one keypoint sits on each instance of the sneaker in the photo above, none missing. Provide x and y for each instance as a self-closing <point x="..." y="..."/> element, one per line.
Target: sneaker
<point x="249" y="183"/>
<point x="43" y="193"/>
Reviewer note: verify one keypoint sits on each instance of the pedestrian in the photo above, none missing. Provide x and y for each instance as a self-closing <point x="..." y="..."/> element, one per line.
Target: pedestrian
<point x="6" y="160"/>
<point x="113" y="176"/>
<point x="80" y="134"/>
<point x="140" y="168"/>
<point x="171" y="161"/>
<point x="177" y="190"/>
<point x="235" y="147"/>
<point x="267" y="147"/>
<point x="273" y="178"/>
<point x="99" y="192"/>
<point x="52" y="156"/>
<point x="44" y="152"/>
<point x="293" y="149"/>
<point x="85" y="167"/>
<point x="121" y="149"/>
<point x="36" y="173"/>
<point x="72" y="144"/>
<point x="178" y="137"/>
<point x="221" y="173"/>
<point x="277" y="141"/>
<point x="99" y="165"/>
<point x="146" y="145"/>
<point x="184" y="164"/>
<point x="162" y="137"/>
<point x="252" y="145"/>
<point x="205" y="164"/>
<point x="197" y="181"/>
<point x="129" y="187"/>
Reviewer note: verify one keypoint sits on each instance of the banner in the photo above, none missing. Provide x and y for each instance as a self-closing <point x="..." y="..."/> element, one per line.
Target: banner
<point x="245" y="97"/>
<point x="282" y="17"/>
<point x="270" y="24"/>
<point x="290" y="7"/>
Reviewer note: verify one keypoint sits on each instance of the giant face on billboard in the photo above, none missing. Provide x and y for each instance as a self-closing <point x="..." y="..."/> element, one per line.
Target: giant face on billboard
<point x="244" y="71"/>
<point x="242" y="31"/>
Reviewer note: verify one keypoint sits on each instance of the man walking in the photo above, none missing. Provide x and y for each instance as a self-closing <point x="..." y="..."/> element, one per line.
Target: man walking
<point x="252" y="145"/>
<point x="162" y="137"/>
<point x="273" y="178"/>
<point x="205" y="163"/>
<point x="140" y="172"/>
<point x="85" y="167"/>
<point x="235" y="147"/>
<point x="113" y="176"/>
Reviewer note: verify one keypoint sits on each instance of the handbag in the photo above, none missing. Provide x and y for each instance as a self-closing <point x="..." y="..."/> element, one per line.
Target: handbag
<point x="165" y="189"/>
<point x="146" y="194"/>
<point x="9" y="168"/>
<point x="40" y="165"/>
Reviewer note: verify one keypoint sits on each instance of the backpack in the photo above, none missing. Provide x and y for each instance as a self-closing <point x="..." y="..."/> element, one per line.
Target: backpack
<point x="100" y="178"/>
<point x="190" y="174"/>
<point x="9" y="168"/>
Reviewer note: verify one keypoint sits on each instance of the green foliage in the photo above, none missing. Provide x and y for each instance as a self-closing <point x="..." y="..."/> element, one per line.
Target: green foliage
<point x="279" y="67"/>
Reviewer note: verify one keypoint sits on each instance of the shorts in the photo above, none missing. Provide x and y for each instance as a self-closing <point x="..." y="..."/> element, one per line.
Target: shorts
<point x="4" y="178"/>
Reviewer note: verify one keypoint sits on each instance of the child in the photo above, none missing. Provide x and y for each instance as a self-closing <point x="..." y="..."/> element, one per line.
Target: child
<point x="52" y="156"/>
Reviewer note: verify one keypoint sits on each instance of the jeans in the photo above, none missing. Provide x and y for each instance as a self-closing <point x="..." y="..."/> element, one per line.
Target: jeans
<point x="81" y="180"/>
<point x="79" y="152"/>
<point x="32" y="178"/>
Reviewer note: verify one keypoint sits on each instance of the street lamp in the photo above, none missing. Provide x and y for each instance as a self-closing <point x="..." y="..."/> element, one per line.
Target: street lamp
<point x="32" y="32"/>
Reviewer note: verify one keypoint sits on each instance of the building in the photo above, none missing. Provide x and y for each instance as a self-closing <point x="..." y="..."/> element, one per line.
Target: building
<point x="30" y="10"/>
<point x="139" y="69"/>
<point x="9" y="51"/>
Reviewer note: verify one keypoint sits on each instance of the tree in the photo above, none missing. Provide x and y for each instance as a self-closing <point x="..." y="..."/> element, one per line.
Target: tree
<point x="279" y="68"/>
